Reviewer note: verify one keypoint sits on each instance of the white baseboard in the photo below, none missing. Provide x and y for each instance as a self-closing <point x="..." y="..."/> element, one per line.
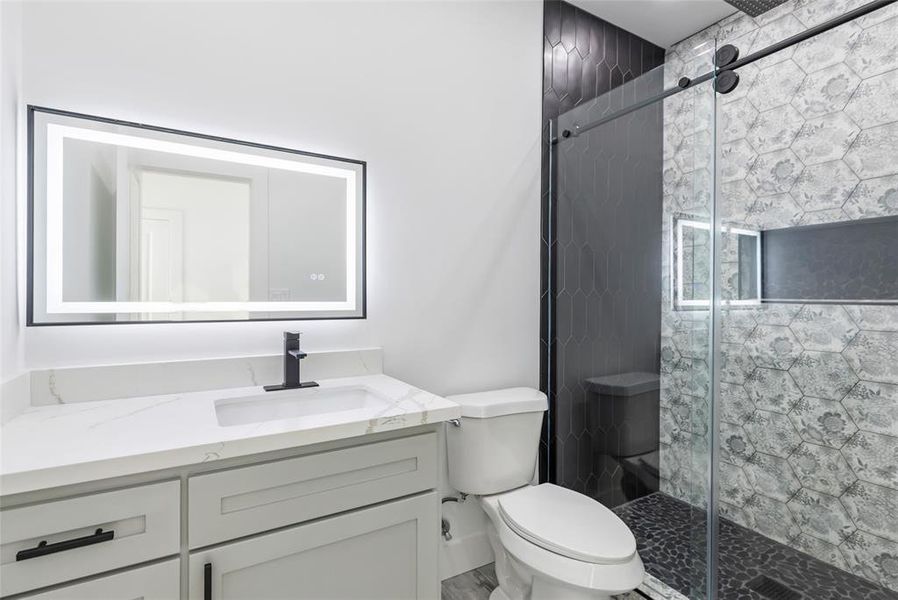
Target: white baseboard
<point x="461" y="554"/>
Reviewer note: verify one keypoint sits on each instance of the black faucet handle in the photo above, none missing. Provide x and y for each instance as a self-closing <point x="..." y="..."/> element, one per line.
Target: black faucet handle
<point x="290" y="336"/>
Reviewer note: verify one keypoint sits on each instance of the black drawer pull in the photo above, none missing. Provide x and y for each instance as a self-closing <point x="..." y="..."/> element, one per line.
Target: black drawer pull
<point x="207" y="581"/>
<point x="44" y="548"/>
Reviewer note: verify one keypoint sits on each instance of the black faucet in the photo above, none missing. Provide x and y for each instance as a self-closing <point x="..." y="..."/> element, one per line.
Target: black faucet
<point x="292" y="356"/>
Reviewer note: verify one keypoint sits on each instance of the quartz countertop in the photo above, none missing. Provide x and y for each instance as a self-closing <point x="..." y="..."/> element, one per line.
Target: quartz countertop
<point x="50" y="446"/>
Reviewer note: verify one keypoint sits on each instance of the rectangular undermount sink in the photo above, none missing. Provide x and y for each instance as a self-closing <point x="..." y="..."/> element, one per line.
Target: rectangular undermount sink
<point x="289" y="404"/>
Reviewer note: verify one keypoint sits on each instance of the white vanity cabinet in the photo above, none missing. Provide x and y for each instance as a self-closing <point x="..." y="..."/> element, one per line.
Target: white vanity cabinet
<point x="54" y="542"/>
<point x="357" y="519"/>
<point x="154" y="582"/>
<point x="387" y="552"/>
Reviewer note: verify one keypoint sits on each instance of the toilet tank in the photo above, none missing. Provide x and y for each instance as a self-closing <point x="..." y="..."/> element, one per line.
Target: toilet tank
<point x="495" y="447"/>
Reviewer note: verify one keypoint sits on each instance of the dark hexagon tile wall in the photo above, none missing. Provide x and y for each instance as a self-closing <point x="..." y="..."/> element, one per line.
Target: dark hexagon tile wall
<point x="584" y="57"/>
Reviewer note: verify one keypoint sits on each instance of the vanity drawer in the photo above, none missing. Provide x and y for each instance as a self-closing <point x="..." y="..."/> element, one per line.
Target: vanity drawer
<point x="138" y="524"/>
<point x="154" y="582"/>
<point x="230" y="504"/>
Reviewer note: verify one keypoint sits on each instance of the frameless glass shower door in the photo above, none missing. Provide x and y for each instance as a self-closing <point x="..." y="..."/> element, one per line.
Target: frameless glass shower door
<point x="633" y="204"/>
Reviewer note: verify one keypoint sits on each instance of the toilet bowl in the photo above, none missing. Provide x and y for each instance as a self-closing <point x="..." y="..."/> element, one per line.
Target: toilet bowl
<point x="550" y="543"/>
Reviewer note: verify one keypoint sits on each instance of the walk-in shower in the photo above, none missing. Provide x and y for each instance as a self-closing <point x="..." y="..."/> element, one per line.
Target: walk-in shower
<point x="722" y="356"/>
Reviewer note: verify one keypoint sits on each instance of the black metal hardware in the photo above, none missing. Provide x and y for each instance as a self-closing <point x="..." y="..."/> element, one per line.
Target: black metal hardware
<point x="684" y="82"/>
<point x="726" y="82"/>
<point x="43" y="548"/>
<point x="755" y="56"/>
<point x="725" y="56"/>
<point x="292" y="356"/>
<point x="207" y="581"/>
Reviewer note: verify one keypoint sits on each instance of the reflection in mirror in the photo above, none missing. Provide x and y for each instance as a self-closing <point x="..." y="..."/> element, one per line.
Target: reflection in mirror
<point x="133" y="223"/>
<point x="692" y="253"/>
<point x="692" y="257"/>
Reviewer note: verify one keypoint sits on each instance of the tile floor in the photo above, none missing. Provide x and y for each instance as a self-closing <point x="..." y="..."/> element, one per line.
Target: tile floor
<point x="666" y="529"/>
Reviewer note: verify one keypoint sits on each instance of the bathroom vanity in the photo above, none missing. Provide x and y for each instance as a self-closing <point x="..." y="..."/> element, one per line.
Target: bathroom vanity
<point x="324" y="492"/>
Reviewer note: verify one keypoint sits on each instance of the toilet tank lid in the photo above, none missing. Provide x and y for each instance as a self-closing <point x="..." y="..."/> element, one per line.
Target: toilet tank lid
<point x="624" y="384"/>
<point x="496" y="403"/>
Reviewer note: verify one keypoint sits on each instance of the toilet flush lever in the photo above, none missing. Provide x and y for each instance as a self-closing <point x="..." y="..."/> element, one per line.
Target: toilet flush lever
<point x="456" y="422"/>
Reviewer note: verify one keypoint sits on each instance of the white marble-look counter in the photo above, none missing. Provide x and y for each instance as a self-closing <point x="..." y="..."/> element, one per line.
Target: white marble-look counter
<point x="49" y="446"/>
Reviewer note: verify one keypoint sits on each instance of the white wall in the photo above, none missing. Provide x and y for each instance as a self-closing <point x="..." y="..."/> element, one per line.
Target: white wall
<point x="11" y="351"/>
<point x="441" y="99"/>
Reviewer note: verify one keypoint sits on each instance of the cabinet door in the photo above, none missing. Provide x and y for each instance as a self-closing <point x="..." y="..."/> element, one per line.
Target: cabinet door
<point x="387" y="552"/>
<point x="155" y="582"/>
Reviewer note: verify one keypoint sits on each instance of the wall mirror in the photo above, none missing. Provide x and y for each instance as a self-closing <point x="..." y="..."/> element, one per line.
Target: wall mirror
<point x="132" y="223"/>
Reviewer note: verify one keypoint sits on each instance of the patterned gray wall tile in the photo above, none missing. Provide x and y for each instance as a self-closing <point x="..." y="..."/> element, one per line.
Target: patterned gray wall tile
<point x="875" y="102"/>
<point x="775" y="85"/>
<point x="823" y="327"/>
<point x="771" y="476"/>
<point x="872" y="557"/>
<point x="824" y="186"/>
<point x="735" y="363"/>
<point x="822" y="421"/>
<point x="876" y="50"/>
<point x="775" y="172"/>
<point x="735" y="405"/>
<point x="735" y="488"/>
<point x="815" y="12"/>
<point x="821" y="515"/>
<point x="772" y="389"/>
<point x="825" y="138"/>
<point x="874" y="318"/>
<point x="736" y="200"/>
<point x="774" y="31"/>
<point x="773" y="346"/>
<point x="879" y="16"/>
<point x="735" y="446"/>
<point x="819" y="217"/>
<point x="774" y="129"/>
<point x="822" y="469"/>
<point x="737" y="120"/>
<point x="872" y="356"/>
<point x="873" y="457"/>
<point x="873" y="153"/>
<point x="873" y="509"/>
<point x="826" y="91"/>
<point x="772" y="518"/>
<point x="874" y="407"/>
<point x="773" y="212"/>
<point x="827" y="49"/>
<point x="874" y="198"/>
<point x="736" y="325"/>
<point x="776" y="314"/>
<point x="772" y="433"/>
<point x="735" y="160"/>
<point x="823" y="375"/>
<point x="828" y="553"/>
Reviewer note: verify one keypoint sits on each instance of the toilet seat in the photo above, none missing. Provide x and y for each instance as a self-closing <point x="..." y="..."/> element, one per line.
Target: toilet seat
<point x="567" y="523"/>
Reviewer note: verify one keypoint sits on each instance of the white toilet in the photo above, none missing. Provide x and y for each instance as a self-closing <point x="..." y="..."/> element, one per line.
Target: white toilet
<point x="550" y="543"/>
